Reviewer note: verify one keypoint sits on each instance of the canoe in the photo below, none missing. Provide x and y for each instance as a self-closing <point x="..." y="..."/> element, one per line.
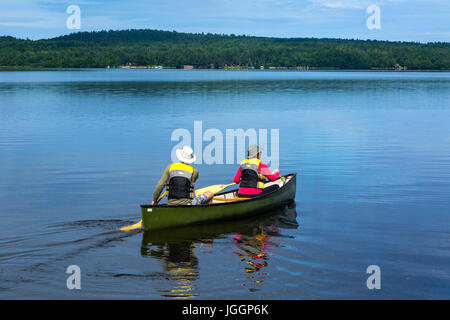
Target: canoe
<point x="284" y="217"/>
<point x="225" y="206"/>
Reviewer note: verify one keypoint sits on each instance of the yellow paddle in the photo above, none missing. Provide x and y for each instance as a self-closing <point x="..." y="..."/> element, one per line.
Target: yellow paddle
<point x="137" y="225"/>
<point x="214" y="189"/>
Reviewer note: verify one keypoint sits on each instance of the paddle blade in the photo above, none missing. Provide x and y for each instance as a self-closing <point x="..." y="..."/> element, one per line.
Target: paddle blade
<point x="214" y="189"/>
<point x="132" y="227"/>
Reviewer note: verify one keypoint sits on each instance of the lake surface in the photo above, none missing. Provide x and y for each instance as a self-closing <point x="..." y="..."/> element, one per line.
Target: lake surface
<point x="80" y="150"/>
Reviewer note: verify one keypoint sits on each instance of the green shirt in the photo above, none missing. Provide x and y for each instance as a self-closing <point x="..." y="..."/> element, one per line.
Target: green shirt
<point x="163" y="182"/>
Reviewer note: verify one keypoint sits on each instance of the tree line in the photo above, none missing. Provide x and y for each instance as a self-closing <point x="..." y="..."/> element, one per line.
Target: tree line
<point x="174" y="49"/>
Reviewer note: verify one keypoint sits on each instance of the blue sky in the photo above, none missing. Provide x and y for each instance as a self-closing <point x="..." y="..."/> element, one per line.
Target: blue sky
<point x="405" y="20"/>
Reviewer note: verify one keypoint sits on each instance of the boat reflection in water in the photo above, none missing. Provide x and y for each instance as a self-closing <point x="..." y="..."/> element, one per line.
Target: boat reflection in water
<point x="179" y="265"/>
<point x="253" y="238"/>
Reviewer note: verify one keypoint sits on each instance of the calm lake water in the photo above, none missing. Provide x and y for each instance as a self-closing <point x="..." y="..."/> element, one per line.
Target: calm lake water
<point x="81" y="150"/>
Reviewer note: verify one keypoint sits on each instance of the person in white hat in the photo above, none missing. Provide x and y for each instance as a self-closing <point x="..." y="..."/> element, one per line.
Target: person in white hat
<point x="179" y="179"/>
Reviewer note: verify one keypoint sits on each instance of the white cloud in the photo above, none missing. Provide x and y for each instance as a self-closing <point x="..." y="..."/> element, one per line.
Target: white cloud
<point x="29" y="13"/>
<point x="349" y="4"/>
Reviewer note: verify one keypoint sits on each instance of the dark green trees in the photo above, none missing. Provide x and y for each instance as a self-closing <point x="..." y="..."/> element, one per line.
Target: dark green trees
<point x="174" y="49"/>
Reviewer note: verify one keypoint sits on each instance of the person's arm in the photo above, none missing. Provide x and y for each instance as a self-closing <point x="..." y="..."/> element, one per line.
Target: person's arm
<point x="264" y="169"/>
<point x="237" y="177"/>
<point x="161" y="184"/>
<point x="194" y="175"/>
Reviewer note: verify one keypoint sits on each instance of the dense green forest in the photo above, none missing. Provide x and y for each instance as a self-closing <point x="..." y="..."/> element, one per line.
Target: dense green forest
<point x="175" y="49"/>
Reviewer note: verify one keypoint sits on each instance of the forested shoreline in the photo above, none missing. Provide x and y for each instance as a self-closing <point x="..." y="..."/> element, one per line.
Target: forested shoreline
<point x="174" y="50"/>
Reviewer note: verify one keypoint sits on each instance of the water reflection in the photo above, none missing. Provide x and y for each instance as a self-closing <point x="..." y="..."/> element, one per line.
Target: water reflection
<point x="256" y="246"/>
<point x="255" y="251"/>
<point x="254" y="240"/>
<point x="180" y="265"/>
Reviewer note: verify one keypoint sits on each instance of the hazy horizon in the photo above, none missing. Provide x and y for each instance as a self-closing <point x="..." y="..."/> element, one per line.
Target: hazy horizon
<point x="399" y="20"/>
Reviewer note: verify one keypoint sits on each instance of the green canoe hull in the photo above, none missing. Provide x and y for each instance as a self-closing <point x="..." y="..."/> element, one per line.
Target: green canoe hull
<point x="156" y="217"/>
<point x="283" y="217"/>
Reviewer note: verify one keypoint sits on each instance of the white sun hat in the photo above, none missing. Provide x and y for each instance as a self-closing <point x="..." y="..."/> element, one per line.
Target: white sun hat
<point x="186" y="155"/>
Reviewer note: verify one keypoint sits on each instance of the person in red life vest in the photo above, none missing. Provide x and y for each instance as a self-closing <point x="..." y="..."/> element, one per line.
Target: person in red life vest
<point x="252" y="173"/>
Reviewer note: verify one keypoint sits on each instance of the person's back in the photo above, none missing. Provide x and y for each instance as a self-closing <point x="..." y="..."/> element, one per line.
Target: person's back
<point x="179" y="179"/>
<point x="252" y="173"/>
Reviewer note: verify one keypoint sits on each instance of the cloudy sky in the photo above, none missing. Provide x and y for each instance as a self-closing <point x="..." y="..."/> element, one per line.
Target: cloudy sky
<point x="405" y="20"/>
